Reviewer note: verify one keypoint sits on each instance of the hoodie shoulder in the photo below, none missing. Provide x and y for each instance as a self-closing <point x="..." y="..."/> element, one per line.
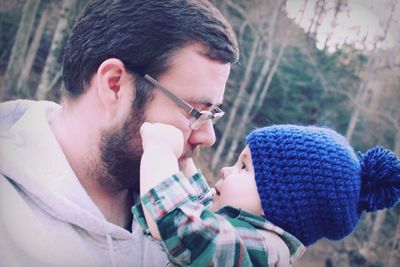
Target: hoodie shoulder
<point x="12" y="111"/>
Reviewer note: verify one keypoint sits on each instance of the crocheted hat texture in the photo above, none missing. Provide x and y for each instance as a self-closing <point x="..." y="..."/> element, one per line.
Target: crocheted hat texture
<point x="313" y="185"/>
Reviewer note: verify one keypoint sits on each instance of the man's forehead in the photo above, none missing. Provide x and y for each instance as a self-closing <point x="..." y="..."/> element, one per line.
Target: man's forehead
<point x="192" y="57"/>
<point x="195" y="77"/>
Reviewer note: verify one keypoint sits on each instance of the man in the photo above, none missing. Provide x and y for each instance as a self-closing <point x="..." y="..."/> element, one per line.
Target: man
<point x="69" y="174"/>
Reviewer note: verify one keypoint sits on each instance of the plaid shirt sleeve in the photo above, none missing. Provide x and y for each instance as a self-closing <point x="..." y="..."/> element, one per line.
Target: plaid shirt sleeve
<point x="202" y="190"/>
<point x="194" y="236"/>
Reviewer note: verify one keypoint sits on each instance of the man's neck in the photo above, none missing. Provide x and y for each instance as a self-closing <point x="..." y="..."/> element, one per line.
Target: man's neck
<point x="114" y="205"/>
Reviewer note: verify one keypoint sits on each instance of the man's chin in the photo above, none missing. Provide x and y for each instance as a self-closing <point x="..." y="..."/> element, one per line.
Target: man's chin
<point x="191" y="153"/>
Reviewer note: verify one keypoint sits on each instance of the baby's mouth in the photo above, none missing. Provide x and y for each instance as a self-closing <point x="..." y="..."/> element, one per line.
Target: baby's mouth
<point x="215" y="191"/>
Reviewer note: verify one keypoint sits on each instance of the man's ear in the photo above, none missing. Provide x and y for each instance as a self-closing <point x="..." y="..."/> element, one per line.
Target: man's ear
<point x="114" y="87"/>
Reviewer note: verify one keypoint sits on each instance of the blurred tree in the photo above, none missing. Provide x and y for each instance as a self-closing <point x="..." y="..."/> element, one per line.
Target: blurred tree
<point x="283" y="76"/>
<point x="263" y="20"/>
<point x="235" y="108"/>
<point x="21" y="88"/>
<point x="19" y="49"/>
<point x="395" y="248"/>
<point x="52" y="70"/>
<point x="319" y="12"/>
<point x="367" y="76"/>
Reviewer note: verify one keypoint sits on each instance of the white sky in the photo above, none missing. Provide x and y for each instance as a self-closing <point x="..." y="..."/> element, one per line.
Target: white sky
<point x="360" y="18"/>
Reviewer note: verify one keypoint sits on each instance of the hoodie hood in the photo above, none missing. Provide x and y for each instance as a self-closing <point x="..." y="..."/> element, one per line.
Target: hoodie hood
<point x="31" y="157"/>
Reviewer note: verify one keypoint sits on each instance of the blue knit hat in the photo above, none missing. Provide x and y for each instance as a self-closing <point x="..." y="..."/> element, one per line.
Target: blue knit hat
<point x="313" y="185"/>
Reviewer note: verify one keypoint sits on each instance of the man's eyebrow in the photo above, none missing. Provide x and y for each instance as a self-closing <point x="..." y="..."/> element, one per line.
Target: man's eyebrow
<point x="208" y="104"/>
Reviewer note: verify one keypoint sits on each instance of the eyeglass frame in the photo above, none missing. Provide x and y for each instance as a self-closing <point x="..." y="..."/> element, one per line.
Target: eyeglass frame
<point x="214" y="115"/>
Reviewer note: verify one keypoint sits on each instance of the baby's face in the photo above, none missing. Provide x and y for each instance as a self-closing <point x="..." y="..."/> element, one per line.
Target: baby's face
<point x="237" y="186"/>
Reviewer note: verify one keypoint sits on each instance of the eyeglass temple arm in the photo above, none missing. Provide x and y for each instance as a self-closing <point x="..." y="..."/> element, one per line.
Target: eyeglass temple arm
<point x="182" y="103"/>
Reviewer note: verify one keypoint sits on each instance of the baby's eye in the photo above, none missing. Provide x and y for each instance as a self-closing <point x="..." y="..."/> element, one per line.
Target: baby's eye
<point x="243" y="166"/>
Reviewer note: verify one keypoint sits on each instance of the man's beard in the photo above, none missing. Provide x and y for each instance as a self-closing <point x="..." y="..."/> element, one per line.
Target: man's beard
<point x="193" y="152"/>
<point x="118" y="167"/>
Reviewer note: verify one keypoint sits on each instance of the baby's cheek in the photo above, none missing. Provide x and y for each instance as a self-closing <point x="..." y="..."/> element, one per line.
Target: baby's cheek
<point x="213" y="207"/>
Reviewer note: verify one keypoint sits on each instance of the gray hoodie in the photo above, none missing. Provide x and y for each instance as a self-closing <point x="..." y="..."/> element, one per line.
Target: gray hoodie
<point x="46" y="217"/>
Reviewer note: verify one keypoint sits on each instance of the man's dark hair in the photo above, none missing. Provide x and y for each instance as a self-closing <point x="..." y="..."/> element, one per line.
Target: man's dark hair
<point x="143" y="34"/>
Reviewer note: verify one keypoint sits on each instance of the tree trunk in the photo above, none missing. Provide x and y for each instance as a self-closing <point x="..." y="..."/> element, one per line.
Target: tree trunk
<point x="338" y="9"/>
<point x="315" y="18"/>
<point x="244" y="119"/>
<point x="18" y="51"/>
<point x="301" y="11"/>
<point x="238" y="100"/>
<point x="359" y="102"/>
<point x="364" y="85"/>
<point x="30" y="57"/>
<point x="368" y="249"/>
<point x="397" y="145"/>
<point x="394" y="255"/>
<point x="257" y="88"/>
<point x="51" y="66"/>
<point x="271" y="74"/>
<point x="377" y="226"/>
<point x="321" y="10"/>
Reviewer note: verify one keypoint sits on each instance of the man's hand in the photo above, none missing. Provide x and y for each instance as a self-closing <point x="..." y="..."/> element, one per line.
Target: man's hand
<point x="162" y="136"/>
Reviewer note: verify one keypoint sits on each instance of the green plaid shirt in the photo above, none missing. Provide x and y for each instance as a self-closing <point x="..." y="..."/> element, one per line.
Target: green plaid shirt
<point x="192" y="235"/>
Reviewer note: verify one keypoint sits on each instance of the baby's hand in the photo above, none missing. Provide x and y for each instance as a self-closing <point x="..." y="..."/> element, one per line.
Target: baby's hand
<point x="162" y="136"/>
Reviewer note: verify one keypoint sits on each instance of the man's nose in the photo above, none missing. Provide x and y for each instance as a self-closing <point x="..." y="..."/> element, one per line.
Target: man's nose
<point x="205" y="136"/>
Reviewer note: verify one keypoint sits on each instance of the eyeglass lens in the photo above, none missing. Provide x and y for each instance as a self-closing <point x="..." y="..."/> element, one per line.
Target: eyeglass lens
<point x="203" y="119"/>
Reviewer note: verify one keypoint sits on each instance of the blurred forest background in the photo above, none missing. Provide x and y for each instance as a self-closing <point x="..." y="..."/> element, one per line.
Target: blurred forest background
<point x="331" y="63"/>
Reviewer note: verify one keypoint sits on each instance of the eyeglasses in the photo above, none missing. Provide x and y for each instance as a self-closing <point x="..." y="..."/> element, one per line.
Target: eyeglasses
<point x="199" y="118"/>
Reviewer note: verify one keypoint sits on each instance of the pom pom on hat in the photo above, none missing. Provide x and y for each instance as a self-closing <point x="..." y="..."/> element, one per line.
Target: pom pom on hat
<point x="380" y="173"/>
<point x="309" y="180"/>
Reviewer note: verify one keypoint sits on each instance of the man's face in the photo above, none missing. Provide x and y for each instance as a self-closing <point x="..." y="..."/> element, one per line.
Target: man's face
<point x="199" y="81"/>
<point x="193" y="77"/>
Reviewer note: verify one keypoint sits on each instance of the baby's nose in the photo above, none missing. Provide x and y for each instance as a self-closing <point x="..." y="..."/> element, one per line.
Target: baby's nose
<point x="225" y="172"/>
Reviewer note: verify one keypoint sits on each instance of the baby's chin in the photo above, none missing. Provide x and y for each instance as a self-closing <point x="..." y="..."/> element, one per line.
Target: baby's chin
<point x="215" y="204"/>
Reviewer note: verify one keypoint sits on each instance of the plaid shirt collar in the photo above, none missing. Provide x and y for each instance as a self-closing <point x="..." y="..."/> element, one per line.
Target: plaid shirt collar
<point x="296" y="248"/>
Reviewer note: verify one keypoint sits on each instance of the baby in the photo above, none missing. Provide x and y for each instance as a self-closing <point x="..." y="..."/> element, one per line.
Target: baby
<point x="291" y="186"/>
